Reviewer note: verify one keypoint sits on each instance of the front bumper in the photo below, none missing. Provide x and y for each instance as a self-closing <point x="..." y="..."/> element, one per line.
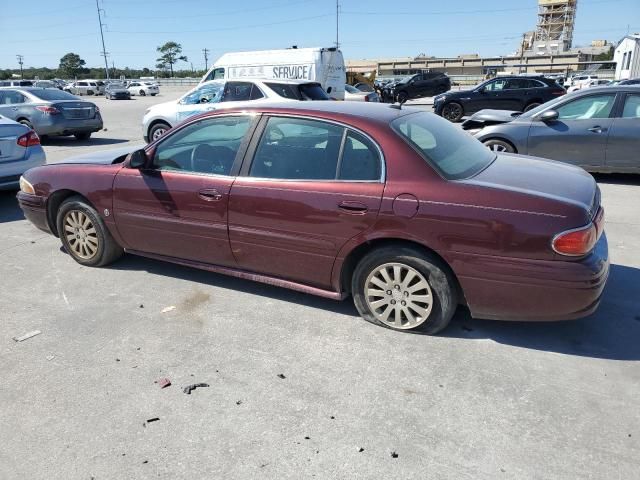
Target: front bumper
<point x="34" y="208"/>
<point x="533" y="290"/>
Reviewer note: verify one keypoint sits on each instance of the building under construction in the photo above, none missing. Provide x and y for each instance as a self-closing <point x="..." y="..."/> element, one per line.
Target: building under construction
<point x="554" y="30"/>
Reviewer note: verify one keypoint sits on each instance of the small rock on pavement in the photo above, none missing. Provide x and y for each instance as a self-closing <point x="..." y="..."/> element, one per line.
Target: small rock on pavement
<point x="27" y="336"/>
<point x="168" y="309"/>
<point x="281" y="375"/>
<point x="394" y="455"/>
<point x="163" y="382"/>
<point x="360" y="450"/>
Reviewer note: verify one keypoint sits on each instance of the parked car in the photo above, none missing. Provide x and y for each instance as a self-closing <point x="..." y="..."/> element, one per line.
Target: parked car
<point x="502" y="93"/>
<point x="355" y="95"/>
<point x="420" y="85"/>
<point x="50" y="111"/>
<point x="365" y="87"/>
<point x="600" y="82"/>
<point x="20" y="150"/>
<point x="117" y="91"/>
<point x="82" y="87"/>
<point x="45" y="84"/>
<point x="217" y="94"/>
<point x="143" y="88"/>
<point x="596" y="129"/>
<point x="16" y="83"/>
<point x="394" y="206"/>
<point x="630" y="81"/>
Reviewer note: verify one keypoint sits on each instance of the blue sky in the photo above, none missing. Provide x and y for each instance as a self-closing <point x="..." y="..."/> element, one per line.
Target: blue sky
<point x="43" y="31"/>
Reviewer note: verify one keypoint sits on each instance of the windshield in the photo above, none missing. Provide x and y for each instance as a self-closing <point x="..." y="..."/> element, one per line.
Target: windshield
<point x="405" y="79"/>
<point x="209" y="93"/>
<point x="453" y="152"/>
<point x="351" y="89"/>
<point x="51" y="94"/>
<point x="115" y="85"/>
<point x="306" y="91"/>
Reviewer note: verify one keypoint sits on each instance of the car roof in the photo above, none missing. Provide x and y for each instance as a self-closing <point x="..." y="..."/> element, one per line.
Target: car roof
<point x="607" y="88"/>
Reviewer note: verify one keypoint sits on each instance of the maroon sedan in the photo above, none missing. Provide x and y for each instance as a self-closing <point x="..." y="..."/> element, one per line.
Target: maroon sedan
<point x="397" y="207"/>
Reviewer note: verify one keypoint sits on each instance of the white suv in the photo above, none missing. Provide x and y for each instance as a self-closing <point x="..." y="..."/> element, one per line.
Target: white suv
<point x="143" y="88"/>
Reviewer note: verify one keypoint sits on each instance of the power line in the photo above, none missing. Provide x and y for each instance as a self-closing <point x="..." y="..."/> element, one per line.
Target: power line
<point x="206" y="58"/>
<point x="104" y="50"/>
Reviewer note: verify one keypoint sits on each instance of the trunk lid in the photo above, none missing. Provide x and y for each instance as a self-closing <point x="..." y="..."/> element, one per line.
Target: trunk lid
<point x="541" y="178"/>
<point x="10" y="131"/>
<point x="76" y="110"/>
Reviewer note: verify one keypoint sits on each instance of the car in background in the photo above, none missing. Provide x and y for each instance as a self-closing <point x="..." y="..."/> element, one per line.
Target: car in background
<point x="517" y="93"/>
<point x="216" y="94"/>
<point x="596" y="129"/>
<point x="630" y="81"/>
<point x="20" y="150"/>
<point x="426" y="84"/>
<point x="599" y="82"/>
<point x="50" y="112"/>
<point x="117" y="91"/>
<point x="16" y="83"/>
<point x="397" y="208"/>
<point x="365" y="87"/>
<point x="143" y="88"/>
<point x="82" y="87"/>
<point x="355" y="95"/>
<point x="44" y="84"/>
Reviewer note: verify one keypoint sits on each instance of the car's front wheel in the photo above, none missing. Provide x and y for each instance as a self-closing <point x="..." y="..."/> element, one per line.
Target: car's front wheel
<point x="142" y="93"/>
<point x="497" y="145"/>
<point x="84" y="235"/>
<point x="531" y="106"/>
<point x="453" y="111"/>
<point x="403" y="288"/>
<point x="157" y="131"/>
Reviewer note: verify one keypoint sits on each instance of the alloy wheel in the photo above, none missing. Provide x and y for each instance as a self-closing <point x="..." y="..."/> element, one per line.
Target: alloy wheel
<point x="398" y="295"/>
<point x="451" y="112"/>
<point x="158" y="132"/>
<point x="497" y="147"/>
<point x="81" y="234"/>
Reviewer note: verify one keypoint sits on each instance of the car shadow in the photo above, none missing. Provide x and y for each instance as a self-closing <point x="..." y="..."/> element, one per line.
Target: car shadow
<point x="9" y="208"/>
<point x="617" y="178"/>
<point x="73" y="142"/>
<point x="612" y="332"/>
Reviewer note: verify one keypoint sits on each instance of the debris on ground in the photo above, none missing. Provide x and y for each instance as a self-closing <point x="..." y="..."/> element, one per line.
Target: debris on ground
<point x="27" y="336"/>
<point x="360" y="450"/>
<point x="154" y="419"/>
<point x="163" y="382"/>
<point x="281" y="375"/>
<point x="141" y="306"/>
<point x="50" y="357"/>
<point x="146" y="461"/>
<point x="239" y="402"/>
<point x="117" y="359"/>
<point x="168" y="309"/>
<point x="394" y="455"/>
<point x="190" y="388"/>
<point x="332" y="417"/>
<point x="307" y="438"/>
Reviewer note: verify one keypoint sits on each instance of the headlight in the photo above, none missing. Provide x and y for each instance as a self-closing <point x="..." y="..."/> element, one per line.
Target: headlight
<point x="26" y="187"/>
<point x="437" y="99"/>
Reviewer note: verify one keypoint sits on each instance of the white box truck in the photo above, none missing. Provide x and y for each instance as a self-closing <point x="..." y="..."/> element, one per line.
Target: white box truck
<point x="322" y="65"/>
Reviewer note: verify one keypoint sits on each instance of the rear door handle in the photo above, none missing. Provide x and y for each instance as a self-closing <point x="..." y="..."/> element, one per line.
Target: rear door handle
<point x="597" y="129"/>
<point x="353" y="207"/>
<point x="210" y="194"/>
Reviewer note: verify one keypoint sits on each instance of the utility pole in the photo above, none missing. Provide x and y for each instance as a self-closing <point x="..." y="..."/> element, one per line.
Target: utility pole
<point x="337" y="23"/>
<point x="20" y="61"/>
<point x="521" y="52"/>
<point x="104" y="50"/>
<point x="206" y="58"/>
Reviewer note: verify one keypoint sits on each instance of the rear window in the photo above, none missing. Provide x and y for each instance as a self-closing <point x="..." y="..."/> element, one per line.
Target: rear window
<point x="51" y="94"/>
<point x="305" y="91"/>
<point x="453" y="152"/>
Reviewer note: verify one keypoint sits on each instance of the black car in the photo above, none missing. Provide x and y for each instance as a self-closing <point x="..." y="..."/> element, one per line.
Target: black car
<point x="503" y="93"/>
<point x="425" y="84"/>
<point x="630" y="81"/>
<point x="116" y="91"/>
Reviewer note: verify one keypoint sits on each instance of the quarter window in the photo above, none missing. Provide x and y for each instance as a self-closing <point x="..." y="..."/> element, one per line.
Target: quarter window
<point x="594" y="106"/>
<point x="240" y="91"/>
<point x="207" y="146"/>
<point x="495" y="86"/>
<point x="631" y="106"/>
<point x="360" y="159"/>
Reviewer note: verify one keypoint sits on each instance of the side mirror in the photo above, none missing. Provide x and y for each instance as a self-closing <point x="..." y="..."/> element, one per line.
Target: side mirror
<point x="548" y="116"/>
<point x="138" y="159"/>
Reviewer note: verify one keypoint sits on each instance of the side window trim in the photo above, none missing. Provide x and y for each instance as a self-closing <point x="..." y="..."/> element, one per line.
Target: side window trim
<point x="258" y="132"/>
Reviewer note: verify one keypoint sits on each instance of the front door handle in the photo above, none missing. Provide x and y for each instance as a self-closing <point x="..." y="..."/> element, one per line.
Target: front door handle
<point x="210" y="194"/>
<point x="353" y="207"/>
<point x="597" y="129"/>
<point x="15" y="109"/>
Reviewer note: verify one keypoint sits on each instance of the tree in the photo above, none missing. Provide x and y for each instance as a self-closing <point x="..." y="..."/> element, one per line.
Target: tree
<point x="171" y="53"/>
<point x="71" y="64"/>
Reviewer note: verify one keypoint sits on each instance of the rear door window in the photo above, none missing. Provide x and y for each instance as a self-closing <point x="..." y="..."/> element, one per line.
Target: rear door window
<point x="631" y="106"/>
<point x="360" y="159"/>
<point x="11" y="97"/>
<point x="593" y="106"/>
<point x="237" y="91"/>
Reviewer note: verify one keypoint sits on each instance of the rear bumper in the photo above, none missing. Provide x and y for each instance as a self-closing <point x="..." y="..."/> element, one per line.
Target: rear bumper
<point x="10" y="171"/>
<point x="58" y="125"/>
<point x="34" y="208"/>
<point x="534" y="290"/>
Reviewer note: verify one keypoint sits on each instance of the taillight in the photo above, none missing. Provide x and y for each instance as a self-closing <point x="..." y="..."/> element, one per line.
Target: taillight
<point x="576" y="242"/>
<point x="48" y="110"/>
<point x="558" y="92"/>
<point x="366" y="98"/>
<point x="28" y="139"/>
<point x="97" y="108"/>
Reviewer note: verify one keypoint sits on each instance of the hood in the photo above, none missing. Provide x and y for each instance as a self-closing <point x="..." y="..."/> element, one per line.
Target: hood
<point x="104" y="157"/>
<point x="484" y="118"/>
<point x="170" y="103"/>
<point x="545" y="179"/>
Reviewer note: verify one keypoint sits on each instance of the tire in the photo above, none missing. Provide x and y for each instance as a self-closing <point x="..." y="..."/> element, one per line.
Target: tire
<point x="402" y="97"/>
<point x="89" y="92"/>
<point x="497" y="145"/>
<point x="157" y="130"/>
<point x="82" y="136"/>
<point x="452" y="111"/>
<point x="84" y="235"/>
<point x="531" y="106"/>
<point x="26" y="123"/>
<point x="142" y="94"/>
<point x="429" y="316"/>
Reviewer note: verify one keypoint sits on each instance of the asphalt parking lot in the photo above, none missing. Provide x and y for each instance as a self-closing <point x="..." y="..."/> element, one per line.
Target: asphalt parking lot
<point x="299" y="386"/>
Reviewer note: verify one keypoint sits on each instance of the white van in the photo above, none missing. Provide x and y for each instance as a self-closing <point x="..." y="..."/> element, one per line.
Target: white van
<point x="322" y="65"/>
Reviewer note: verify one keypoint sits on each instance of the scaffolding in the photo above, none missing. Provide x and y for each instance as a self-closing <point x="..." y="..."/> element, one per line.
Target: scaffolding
<point x="556" y="19"/>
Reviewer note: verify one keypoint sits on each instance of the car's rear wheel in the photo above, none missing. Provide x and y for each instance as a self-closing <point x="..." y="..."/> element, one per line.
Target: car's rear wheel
<point x="453" y="111"/>
<point x="89" y="92"/>
<point x="531" y="106"/>
<point x="84" y="235"/>
<point x="157" y="131"/>
<point x="142" y="94"/>
<point x="26" y="123"/>
<point x="82" y="136"/>
<point x="402" y="97"/>
<point x="403" y="288"/>
<point x="497" y="145"/>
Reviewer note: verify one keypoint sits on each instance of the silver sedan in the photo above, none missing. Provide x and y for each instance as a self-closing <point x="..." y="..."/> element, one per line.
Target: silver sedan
<point x="20" y="150"/>
<point x="596" y="128"/>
